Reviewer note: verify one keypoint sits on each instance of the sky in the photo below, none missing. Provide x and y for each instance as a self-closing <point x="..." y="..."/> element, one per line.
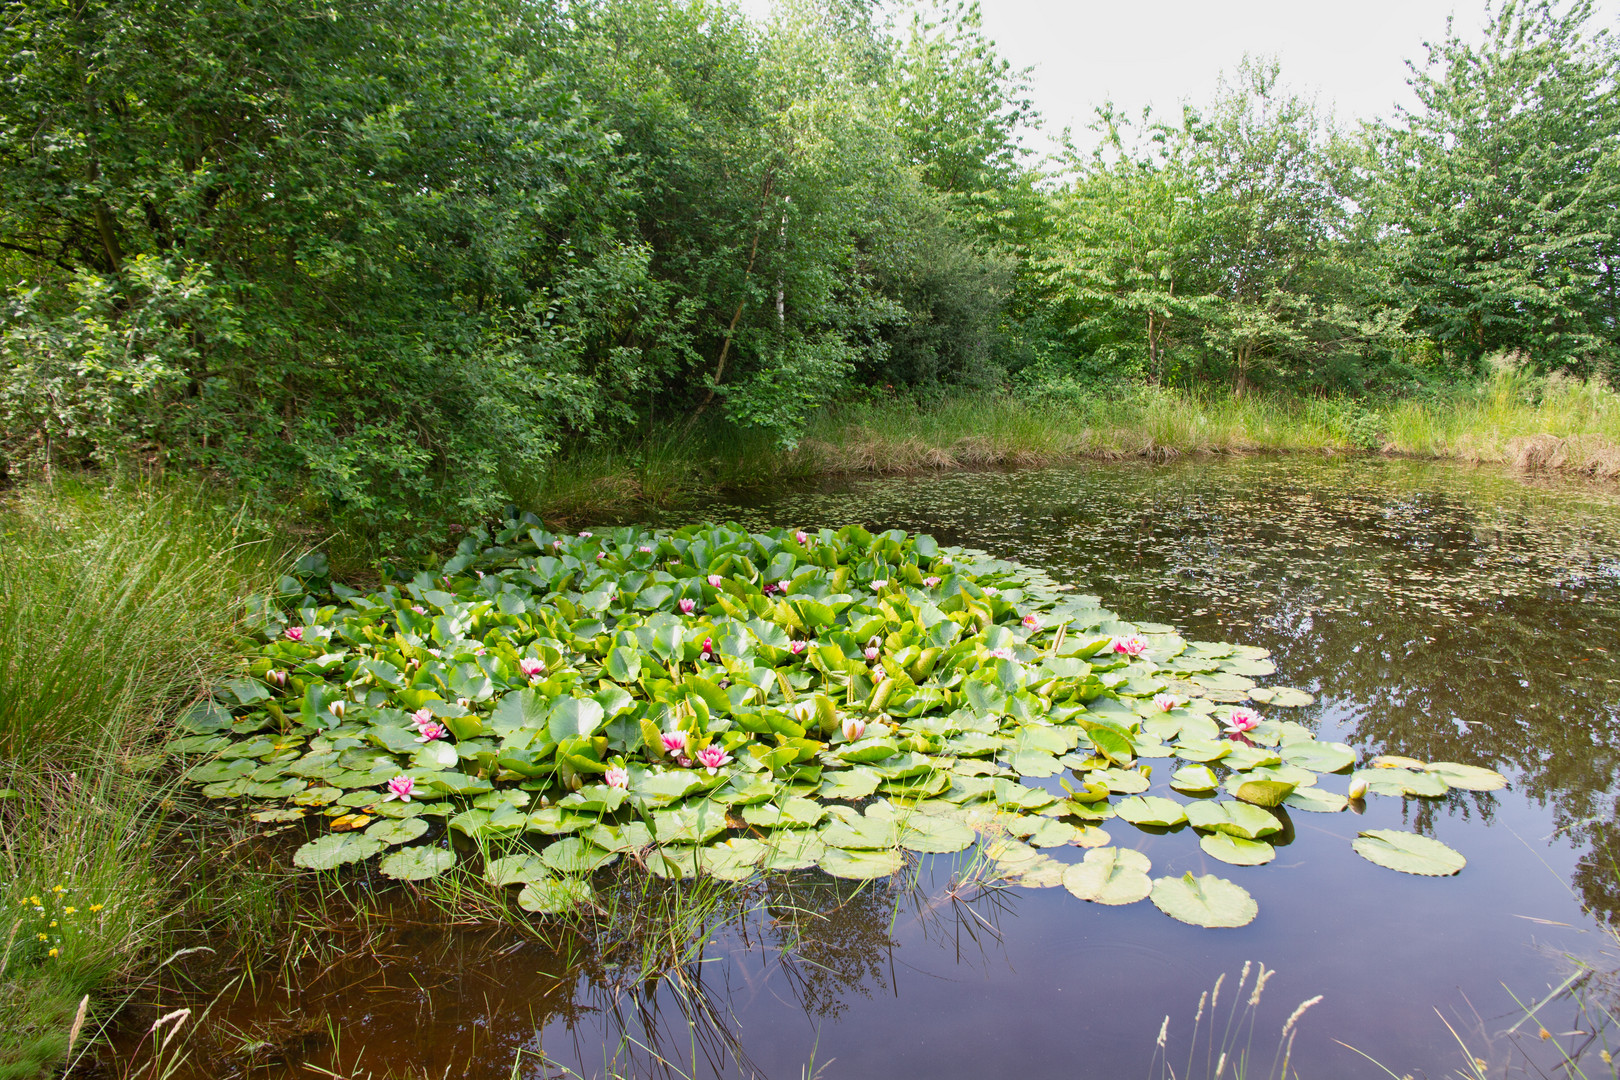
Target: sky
<point x="1351" y="56"/>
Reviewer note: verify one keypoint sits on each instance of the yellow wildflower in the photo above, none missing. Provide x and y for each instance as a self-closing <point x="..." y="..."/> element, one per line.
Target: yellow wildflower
<point x="58" y="889"/>
<point x="55" y="952"/>
<point x="69" y="910"/>
<point x="43" y="937"/>
<point x="97" y="907"/>
<point x="53" y="922"/>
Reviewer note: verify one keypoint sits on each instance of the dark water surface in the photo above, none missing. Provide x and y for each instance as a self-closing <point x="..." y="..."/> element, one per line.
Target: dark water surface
<point x="1436" y="612"/>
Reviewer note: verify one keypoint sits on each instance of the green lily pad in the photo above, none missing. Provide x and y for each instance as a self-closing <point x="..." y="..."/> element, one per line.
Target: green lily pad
<point x="1408" y="852"/>
<point x="1286" y="697"/>
<point x="1194" y="778"/>
<point x="417" y="863"/>
<point x="555" y="896"/>
<point x="1466" y="777"/>
<point x="1262" y="792"/>
<point x="1204" y="901"/>
<point x="1316" y="800"/>
<point x="863" y="865"/>
<point x="521" y="869"/>
<point x="795" y="813"/>
<point x="792" y="849"/>
<point x="1319" y="756"/>
<point x="1151" y="810"/>
<point x="1235" y="818"/>
<point x="1050" y="832"/>
<point x="335" y="849"/>
<point x="936" y="835"/>
<point x="1399" y="781"/>
<point x="397" y="830"/>
<point x="1110" y="875"/>
<point x="1236" y="850"/>
<point x="573" y="855"/>
<point x="853" y="783"/>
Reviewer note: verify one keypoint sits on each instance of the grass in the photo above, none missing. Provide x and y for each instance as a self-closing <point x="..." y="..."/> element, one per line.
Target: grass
<point x="117" y="603"/>
<point x="1529" y="423"/>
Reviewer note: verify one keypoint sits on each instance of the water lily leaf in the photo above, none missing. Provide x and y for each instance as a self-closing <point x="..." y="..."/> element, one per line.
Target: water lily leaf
<point x="1042" y="872"/>
<point x="873" y="831"/>
<point x="521" y="869"/>
<point x="861" y="865"/>
<point x="1036" y="763"/>
<point x="417" y="863"/>
<point x="1238" y="819"/>
<point x="795" y="813"/>
<point x="1151" y="810"/>
<point x="397" y="831"/>
<point x="1120" y="781"/>
<point x="1263" y="792"/>
<point x="335" y="849"/>
<point x="1408" y="852"/>
<point x="1110" y="875"/>
<point x="1398" y="781"/>
<point x="574" y="717"/>
<point x="1466" y="777"/>
<point x="1286" y="697"/>
<point x="792" y="850"/>
<point x="555" y="896"/>
<point x="1203" y="749"/>
<point x="1395" y="761"/>
<point x="936" y="835"/>
<point x="1050" y="832"/>
<point x="690" y="824"/>
<point x="1015" y="796"/>
<point x="1236" y="850"/>
<point x="1089" y="836"/>
<point x="1319" y="756"/>
<point x="572" y="855"/>
<point x="1204" y="901"/>
<point x="853" y="783"/>
<point x="1194" y="778"/>
<point x="736" y="859"/>
<point x="266" y="816"/>
<point x="1316" y="800"/>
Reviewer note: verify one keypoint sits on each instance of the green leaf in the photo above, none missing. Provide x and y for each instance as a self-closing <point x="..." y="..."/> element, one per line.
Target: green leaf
<point x="572" y="855"/>
<point x="1194" y="778"/>
<point x="1319" y="756"/>
<point x="863" y="865"/>
<point x="936" y="835"/>
<point x="1316" y="800"/>
<point x="572" y="718"/>
<point x="335" y="849"/>
<point x="1238" y="819"/>
<point x="1408" y="852"/>
<point x="1110" y="875"/>
<point x="397" y="831"/>
<point x="1236" y="850"/>
<point x="1151" y="810"/>
<point x="1466" y="777"/>
<point x="1264" y="792"/>
<point x="417" y="863"/>
<point x="520" y="869"/>
<point x="555" y="896"/>
<point x="1204" y="901"/>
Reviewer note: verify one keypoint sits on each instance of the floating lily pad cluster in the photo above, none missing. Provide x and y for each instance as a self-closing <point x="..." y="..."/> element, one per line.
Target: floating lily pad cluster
<point x="724" y="702"/>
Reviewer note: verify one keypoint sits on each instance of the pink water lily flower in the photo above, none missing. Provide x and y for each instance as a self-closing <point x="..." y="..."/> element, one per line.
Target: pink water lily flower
<point x="644" y="549"/>
<point x="715" y="580"/>
<point x="600" y="555"/>
<point x="585" y="536"/>
<point x="1031" y="622"/>
<point x="295" y="633"/>
<point x="400" y="787"/>
<point x="684" y="762"/>
<point x="707" y="652"/>
<point x="854" y="728"/>
<point x="556" y="545"/>
<point x="1166" y="702"/>
<point x="1131" y="646"/>
<point x="419" y="609"/>
<point x="421" y="717"/>
<point x="991" y="590"/>
<point x="802" y="537"/>
<point x="531" y="666"/>
<point x="617" y="776"/>
<point x="873" y="652"/>
<point x="674" y="741"/>
<point x="1003" y="653"/>
<point x="712" y="758"/>
<point x="277" y="677"/>
<point x="797" y="647"/>
<point x="879" y="584"/>
<point x="1242" y="720"/>
<point x="930" y="581"/>
<point x="431" y="732"/>
<point x="687" y="605"/>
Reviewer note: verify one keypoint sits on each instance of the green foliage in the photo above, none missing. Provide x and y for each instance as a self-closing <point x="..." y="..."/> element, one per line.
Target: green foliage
<point x="1502" y="189"/>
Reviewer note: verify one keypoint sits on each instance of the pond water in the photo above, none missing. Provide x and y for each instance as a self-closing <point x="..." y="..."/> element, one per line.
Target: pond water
<point x="1437" y="612"/>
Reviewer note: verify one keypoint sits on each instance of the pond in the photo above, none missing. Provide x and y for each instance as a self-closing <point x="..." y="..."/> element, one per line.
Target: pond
<point x="1436" y="612"/>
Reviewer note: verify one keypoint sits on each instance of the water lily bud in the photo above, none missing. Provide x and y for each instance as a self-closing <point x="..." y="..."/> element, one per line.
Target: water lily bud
<point x="338" y="708"/>
<point x="715" y="580"/>
<point x="464" y="702"/>
<point x="277" y="677"/>
<point x="854" y="728"/>
<point x="872" y="652"/>
<point x="1358" y="788"/>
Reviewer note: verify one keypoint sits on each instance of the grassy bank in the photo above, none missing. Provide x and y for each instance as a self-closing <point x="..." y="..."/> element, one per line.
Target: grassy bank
<point x="1513" y="419"/>
<point x="117" y="605"/>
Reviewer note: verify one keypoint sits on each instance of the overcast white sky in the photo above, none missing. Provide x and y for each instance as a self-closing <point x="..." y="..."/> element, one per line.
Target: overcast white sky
<point x="1137" y="52"/>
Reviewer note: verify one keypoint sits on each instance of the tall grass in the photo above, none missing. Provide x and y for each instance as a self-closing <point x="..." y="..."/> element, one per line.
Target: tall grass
<point x="117" y="604"/>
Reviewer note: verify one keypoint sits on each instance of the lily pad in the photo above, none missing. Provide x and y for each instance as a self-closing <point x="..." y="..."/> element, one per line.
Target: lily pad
<point x="520" y="869"/>
<point x="397" y="831"/>
<point x="863" y="865"/>
<point x="1319" y="756"/>
<point x="1236" y="850"/>
<point x="1317" y="800"/>
<point x="1408" y="852"/>
<point x="417" y="863"/>
<point x="573" y="855"/>
<point x="555" y="896"/>
<point x="1151" y="810"/>
<point x="335" y="849"/>
<point x="1466" y="777"/>
<point x="1235" y="818"/>
<point x="1204" y="901"/>
<point x="1194" y="778"/>
<point x="1110" y="875"/>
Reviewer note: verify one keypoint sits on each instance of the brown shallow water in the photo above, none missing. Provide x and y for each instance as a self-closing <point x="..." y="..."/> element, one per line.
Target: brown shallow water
<point x="1437" y="612"/>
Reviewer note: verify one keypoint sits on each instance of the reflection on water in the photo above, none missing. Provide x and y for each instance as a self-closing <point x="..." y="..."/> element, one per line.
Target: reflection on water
<point x="1436" y="612"/>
